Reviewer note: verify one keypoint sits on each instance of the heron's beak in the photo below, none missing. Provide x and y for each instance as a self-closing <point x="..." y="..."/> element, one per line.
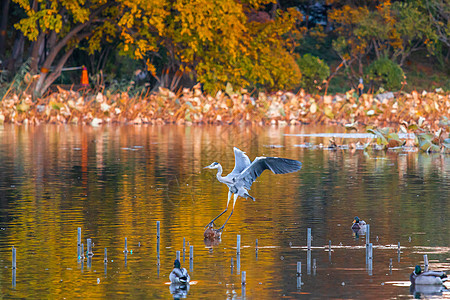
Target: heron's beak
<point x="354" y="221"/>
<point x="207" y="167"/>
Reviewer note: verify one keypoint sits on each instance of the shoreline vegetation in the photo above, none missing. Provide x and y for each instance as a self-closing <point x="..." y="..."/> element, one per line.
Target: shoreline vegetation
<point x="384" y="115"/>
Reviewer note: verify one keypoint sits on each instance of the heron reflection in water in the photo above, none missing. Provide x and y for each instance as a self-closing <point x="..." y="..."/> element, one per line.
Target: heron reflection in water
<point x="245" y="173"/>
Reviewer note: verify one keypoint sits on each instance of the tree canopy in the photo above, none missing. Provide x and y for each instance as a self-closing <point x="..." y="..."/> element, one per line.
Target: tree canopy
<point x="247" y="43"/>
<point x="215" y="41"/>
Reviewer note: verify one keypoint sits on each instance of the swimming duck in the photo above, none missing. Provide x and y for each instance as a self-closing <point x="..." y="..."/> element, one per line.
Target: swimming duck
<point x="178" y="274"/>
<point x="427" y="277"/>
<point x="358" y="224"/>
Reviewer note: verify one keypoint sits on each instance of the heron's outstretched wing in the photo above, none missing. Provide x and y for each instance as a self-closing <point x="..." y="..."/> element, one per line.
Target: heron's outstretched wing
<point x="275" y="164"/>
<point x="241" y="162"/>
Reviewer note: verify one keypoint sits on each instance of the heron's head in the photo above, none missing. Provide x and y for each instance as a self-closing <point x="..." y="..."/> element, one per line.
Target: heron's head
<point x="418" y="270"/>
<point x="214" y="165"/>
<point x="177" y="264"/>
<point x="356" y="220"/>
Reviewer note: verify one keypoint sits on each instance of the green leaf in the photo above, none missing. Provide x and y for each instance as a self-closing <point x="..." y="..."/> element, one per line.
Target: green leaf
<point x="381" y="140"/>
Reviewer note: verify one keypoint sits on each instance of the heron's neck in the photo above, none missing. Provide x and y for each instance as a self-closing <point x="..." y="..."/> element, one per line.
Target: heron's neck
<point x="219" y="172"/>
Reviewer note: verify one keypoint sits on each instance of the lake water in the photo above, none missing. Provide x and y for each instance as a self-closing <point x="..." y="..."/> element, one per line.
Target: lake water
<point x="116" y="182"/>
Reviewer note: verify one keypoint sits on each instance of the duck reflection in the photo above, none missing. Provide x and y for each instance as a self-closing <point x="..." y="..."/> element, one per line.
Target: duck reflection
<point x="179" y="290"/>
<point x="421" y="290"/>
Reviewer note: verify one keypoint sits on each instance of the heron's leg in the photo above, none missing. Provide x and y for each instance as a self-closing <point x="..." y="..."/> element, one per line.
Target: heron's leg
<point x="234" y="202"/>
<point x="228" y="202"/>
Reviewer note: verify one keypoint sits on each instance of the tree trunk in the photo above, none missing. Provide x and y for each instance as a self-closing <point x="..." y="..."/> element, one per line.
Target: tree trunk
<point x="36" y="46"/>
<point x="3" y="25"/>
<point x="50" y="78"/>
<point x="17" y="53"/>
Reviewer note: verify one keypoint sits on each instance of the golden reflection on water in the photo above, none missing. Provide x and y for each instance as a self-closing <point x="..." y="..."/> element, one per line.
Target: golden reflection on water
<point x="116" y="182"/>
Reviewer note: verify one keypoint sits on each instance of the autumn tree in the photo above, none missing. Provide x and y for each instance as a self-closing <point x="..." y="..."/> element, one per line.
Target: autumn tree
<point x="230" y="41"/>
<point x="215" y="41"/>
<point x="381" y="29"/>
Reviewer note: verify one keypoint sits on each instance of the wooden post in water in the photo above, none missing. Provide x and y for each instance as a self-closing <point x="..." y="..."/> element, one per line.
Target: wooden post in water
<point x="425" y="262"/>
<point x="184" y="248"/>
<point x="329" y="250"/>
<point x="243" y="284"/>
<point x="238" y="244"/>
<point x="191" y="258"/>
<point x="13" y="258"/>
<point x="82" y="251"/>
<point x="13" y="278"/>
<point x="13" y="282"/>
<point x="308" y="238"/>
<point x="390" y="265"/>
<point x="256" y="245"/>
<point x="398" y="252"/>
<point x="79" y="243"/>
<point x="238" y="263"/>
<point x="308" y="262"/>
<point x="89" y="262"/>
<point x="367" y="234"/>
<point x="89" y="247"/>
<point x="232" y="265"/>
<point x="299" y="274"/>
<point x="105" y="260"/>
<point x="158" y="237"/>
<point x="178" y="255"/>
<point x="314" y="267"/>
<point x="125" y="250"/>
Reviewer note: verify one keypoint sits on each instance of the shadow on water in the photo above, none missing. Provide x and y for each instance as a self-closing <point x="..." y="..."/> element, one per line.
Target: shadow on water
<point x="117" y="182"/>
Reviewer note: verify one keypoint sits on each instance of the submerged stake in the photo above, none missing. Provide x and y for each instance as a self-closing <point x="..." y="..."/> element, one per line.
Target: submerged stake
<point x="89" y="247"/>
<point x="106" y="256"/>
<point x="243" y="277"/>
<point x="125" y="249"/>
<point x="238" y="244"/>
<point x="178" y="255"/>
<point x="13" y="258"/>
<point x="78" y="242"/>
<point x="425" y="262"/>
<point x="184" y="248"/>
<point x="157" y="241"/>
<point x="308" y="238"/>
<point x="299" y="268"/>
